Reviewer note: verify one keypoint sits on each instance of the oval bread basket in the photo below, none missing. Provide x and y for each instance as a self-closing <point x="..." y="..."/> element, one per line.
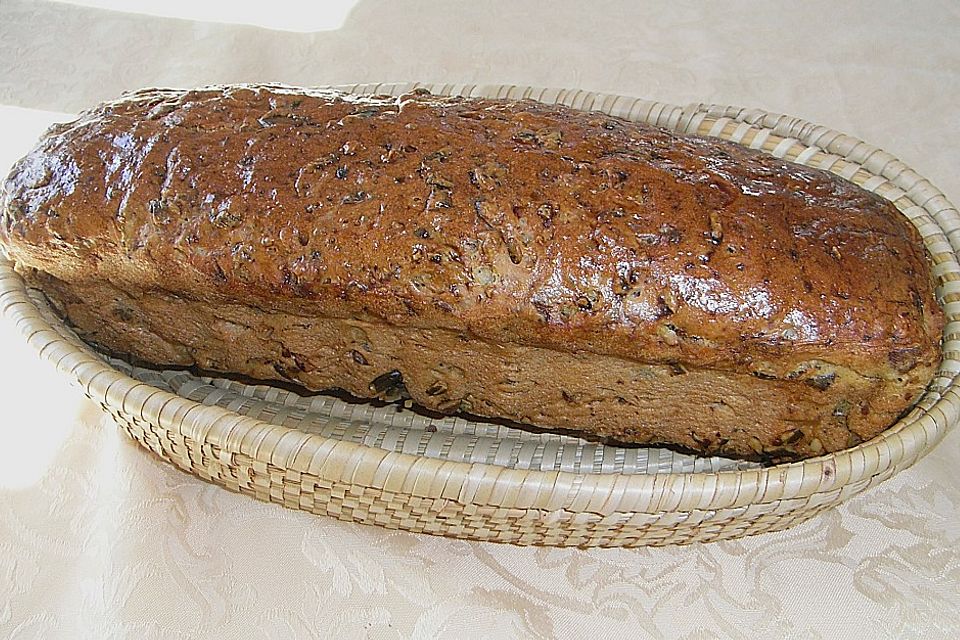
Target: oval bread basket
<point x="390" y="466"/>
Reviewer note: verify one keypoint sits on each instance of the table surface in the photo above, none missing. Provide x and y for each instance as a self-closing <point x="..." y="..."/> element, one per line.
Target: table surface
<point x="99" y="539"/>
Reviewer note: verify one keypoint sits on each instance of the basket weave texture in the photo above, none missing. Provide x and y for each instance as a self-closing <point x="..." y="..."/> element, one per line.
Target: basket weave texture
<point x="395" y="468"/>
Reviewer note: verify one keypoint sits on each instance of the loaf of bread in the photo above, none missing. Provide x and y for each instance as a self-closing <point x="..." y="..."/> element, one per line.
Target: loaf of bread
<point x="534" y="263"/>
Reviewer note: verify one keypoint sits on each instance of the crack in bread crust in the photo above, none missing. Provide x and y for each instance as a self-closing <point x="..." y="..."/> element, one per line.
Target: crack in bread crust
<point x="823" y="408"/>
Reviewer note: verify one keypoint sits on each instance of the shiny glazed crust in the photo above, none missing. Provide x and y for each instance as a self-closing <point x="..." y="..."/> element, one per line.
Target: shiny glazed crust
<point x="511" y="259"/>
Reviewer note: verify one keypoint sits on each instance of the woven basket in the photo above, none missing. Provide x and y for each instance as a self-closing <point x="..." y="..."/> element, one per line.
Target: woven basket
<point x="390" y="466"/>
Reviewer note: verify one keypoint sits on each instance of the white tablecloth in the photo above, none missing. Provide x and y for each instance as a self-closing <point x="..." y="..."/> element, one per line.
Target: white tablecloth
<point x="99" y="539"/>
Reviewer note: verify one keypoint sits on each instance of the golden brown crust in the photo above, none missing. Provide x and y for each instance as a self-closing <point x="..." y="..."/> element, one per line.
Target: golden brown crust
<point x="511" y="223"/>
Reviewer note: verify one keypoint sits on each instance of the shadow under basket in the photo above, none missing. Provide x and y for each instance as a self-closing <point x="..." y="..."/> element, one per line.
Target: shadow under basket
<point x="394" y="467"/>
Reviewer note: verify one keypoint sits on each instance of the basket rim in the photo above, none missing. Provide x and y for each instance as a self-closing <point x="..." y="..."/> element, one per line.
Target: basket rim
<point x="338" y="461"/>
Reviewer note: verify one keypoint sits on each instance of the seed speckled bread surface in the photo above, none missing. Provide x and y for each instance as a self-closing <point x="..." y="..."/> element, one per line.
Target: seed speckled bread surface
<point x="511" y="259"/>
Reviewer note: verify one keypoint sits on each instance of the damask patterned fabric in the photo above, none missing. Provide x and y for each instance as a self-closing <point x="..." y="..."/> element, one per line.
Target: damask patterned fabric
<point x="100" y="539"/>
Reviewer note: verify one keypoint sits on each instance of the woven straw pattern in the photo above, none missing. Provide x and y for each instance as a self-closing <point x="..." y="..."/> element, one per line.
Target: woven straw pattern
<point x="398" y="470"/>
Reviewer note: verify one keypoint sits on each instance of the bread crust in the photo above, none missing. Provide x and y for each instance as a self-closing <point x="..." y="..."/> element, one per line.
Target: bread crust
<point x="540" y="264"/>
